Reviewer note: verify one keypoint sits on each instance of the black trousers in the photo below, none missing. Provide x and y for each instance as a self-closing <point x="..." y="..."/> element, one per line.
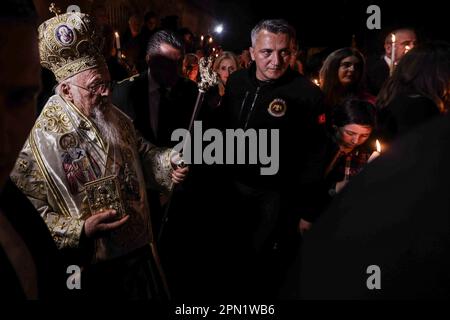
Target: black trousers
<point x="264" y="241"/>
<point x="131" y="277"/>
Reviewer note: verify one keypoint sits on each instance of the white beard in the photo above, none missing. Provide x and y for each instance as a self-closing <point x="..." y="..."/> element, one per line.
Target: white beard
<point x="104" y="120"/>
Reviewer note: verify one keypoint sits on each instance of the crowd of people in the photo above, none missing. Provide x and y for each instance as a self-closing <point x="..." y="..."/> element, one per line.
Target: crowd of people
<point x="94" y="180"/>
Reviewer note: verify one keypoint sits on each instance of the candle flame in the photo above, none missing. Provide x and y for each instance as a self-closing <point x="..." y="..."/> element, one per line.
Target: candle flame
<point x="378" y="146"/>
<point x="116" y="34"/>
<point x="316" y="82"/>
<point x="202" y="37"/>
<point x="407" y="48"/>
<point x="393" y="38"/>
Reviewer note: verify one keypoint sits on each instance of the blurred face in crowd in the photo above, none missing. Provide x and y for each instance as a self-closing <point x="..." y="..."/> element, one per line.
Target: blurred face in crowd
<point x="245" y="58"/>
<point x="353" y="135"/>
<point x="101" y="15"/>
<point x="226" y="67"/>
<point x="190" y="67"/>
<point x="188" y="38"/>
<point x="152" y="23"/>
<point x="193" y="73"/>
<point x="20" y="83"/>
<point x="349" y="70"/>
<point x="271" y="53"/>
<point x="135" y="24"/>
<point x="404" y="40"/>
<point x="164" y="65"/>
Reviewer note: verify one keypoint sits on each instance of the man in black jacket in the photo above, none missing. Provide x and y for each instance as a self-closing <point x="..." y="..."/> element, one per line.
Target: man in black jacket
<point x="271" y="96"/>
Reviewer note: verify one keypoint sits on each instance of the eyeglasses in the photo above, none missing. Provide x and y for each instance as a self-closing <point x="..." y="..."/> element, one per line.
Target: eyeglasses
<point x="96" y="88"/>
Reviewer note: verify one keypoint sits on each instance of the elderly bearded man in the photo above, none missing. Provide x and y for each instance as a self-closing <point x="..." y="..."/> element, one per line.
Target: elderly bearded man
<point x="85" y="169"/>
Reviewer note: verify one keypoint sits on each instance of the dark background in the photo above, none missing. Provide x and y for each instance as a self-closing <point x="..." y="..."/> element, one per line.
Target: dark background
<point x="329" y="23"/>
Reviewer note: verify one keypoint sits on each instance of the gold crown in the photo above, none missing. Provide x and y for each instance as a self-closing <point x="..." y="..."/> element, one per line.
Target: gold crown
<point x="69" y="44"/>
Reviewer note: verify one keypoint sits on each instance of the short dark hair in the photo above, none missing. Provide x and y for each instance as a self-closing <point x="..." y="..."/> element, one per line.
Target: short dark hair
<point x="160" y="37"/>
<point x="274" y="26"/>
<point x="354" y="111"/>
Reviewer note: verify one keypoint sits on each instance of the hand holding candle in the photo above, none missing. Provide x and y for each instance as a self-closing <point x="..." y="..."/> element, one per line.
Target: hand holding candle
<point x="375" y="154"/>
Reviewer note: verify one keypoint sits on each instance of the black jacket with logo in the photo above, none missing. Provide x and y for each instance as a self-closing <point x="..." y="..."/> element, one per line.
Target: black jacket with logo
<point x="293" y="105"/>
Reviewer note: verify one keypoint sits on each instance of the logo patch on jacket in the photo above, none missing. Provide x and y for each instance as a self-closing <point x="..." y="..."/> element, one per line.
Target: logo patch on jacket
<point x="277" y="108"/>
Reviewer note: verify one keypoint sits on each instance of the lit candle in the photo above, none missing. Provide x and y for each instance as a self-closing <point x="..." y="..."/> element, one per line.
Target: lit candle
<point x="201" y="38"/>
<point x="210" y="40"/>
<point x="316" y="82"/>
<point x="375" y="154"/>
<point x="348" y="163"/>
<point x="392" y="52"/>
<point x="116" y="34"/>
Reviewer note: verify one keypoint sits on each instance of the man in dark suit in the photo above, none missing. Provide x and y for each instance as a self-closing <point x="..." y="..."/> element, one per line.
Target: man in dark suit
<point x="159" y="100"/>
<point x="378" y="68"/>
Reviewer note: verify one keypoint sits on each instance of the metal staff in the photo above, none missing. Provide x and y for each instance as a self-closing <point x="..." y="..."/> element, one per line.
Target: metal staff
<point x="209" y="78"/>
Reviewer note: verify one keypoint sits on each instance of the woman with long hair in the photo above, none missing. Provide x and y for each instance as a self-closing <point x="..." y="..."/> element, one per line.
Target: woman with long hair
<point x="224" y="65"/>
<point x="342" y="76"/>
<point x="418" y="90"/>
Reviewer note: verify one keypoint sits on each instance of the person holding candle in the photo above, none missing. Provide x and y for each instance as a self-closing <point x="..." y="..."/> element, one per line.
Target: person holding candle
<point x="378" y="67"/>
<point x="348" y="150"/>
<point x="111" y="46"/>
<point x="387" y="236"/>
<point x="417" y="91"/>
<point x="117" y="67"/>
